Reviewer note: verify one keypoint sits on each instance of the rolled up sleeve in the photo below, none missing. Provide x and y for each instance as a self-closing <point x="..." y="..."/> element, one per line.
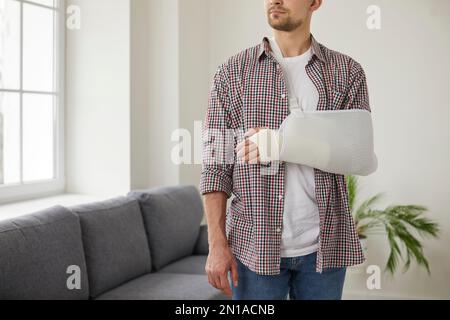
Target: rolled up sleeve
<point x="218" y="139"/>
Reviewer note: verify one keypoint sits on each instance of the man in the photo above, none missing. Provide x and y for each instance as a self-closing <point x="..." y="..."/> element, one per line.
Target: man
<point x="289" y="231"/>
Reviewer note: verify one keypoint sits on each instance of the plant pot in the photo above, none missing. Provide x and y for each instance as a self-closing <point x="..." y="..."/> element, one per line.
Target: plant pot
<point x="363" y="241"/>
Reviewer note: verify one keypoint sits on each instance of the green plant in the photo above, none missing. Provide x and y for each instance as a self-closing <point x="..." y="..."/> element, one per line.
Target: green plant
<point x="402" y="225"/>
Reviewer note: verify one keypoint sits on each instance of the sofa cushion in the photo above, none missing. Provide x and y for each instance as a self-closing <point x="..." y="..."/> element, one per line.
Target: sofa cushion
<point x="202" y="246"/>
<point x="37" y="254"/>
<point x="115" y="243"/>
<point x="189" y="265"/>
<point x="172" y="217"/>
<point x="166" y="286"/>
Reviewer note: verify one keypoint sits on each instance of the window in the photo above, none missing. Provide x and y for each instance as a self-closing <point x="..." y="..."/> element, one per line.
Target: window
<point x="31" y="98"/>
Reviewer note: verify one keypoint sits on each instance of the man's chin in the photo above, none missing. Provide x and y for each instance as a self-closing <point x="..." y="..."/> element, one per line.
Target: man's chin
<point x="278" y="24"/>
<point x="280" y="27"/>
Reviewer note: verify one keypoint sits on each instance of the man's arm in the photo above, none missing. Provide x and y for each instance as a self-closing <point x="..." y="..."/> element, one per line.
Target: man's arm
<point x="220" y="259"/>
<point x="340" y="144"/>
<point x="216" y="182"/>
<point x="215" y="204"/>
<point x="337" y="142"/>
<point x="358" y="93"/>
<point x="218" y="140"/>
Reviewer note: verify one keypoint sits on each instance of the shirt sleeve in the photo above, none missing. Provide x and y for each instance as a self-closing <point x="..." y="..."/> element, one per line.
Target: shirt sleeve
<point x="218" y="140"/>
<point x="358" y="94"/>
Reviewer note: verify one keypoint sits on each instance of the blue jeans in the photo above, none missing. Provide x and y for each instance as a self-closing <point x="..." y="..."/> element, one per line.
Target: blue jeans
<point x="297" y="280"/>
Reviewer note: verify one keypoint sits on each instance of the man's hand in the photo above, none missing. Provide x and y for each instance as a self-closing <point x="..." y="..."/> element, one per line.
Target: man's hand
<point x="248" y="151"/>
<point x="220" y="261"/>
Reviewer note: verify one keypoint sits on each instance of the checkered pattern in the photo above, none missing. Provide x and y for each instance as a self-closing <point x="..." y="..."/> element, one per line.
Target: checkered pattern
<point x="249" y="91"/>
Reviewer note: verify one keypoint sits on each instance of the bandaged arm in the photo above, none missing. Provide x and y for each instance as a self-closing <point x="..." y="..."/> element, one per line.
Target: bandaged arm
<point x="339" y="142"/>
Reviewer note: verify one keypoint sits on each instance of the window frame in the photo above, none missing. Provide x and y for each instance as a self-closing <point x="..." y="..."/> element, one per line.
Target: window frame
<point x="57" y="185"/>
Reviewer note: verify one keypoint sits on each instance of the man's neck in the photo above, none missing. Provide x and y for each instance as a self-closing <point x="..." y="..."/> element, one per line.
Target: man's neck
<point x="293" y="43"/>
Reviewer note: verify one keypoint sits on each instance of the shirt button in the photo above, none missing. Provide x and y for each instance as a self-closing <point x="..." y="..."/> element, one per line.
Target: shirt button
<point x="283" y="96"/>
<point x="278" y="229"/>
<point x="280" y="197"/>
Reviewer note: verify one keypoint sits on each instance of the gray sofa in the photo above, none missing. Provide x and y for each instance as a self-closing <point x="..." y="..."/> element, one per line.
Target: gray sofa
<point x="146" y="245"/>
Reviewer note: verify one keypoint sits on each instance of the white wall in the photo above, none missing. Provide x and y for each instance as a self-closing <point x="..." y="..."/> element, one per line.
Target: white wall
<point x="123" y="92"/>
<point x="169" y="83"/>
<point x="98" y="99"/>
<point x="408" y="71"/>
<point x="155" y="91"/>
<point x="194" y="78"/>
<point x="234" y="26"/>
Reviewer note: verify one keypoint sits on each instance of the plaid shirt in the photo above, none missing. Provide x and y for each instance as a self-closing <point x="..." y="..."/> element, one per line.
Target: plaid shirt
<point x="249" y="91"/>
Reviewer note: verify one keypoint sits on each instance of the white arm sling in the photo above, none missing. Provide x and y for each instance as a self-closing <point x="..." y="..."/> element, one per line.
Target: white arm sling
<point x="337" y="141"/>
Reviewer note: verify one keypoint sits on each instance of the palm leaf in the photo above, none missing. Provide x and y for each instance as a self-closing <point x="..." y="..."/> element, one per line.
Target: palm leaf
<point x="363" y="210"/>
<point x="403" y="225"/>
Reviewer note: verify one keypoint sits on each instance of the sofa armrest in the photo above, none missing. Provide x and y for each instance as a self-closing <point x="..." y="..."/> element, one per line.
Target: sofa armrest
<point x="202" y="247"/>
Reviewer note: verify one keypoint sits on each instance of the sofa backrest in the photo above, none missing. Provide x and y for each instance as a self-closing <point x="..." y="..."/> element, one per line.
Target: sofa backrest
<point x="42" y="258"/>
<point x="172" y="217"/>
<point x="115" y="243"/>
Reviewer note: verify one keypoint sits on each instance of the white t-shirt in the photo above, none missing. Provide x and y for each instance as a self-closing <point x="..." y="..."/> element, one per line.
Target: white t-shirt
<point x="300" y="233"/>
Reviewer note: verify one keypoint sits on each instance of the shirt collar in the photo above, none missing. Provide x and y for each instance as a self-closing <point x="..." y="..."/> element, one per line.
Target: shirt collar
<point x="265" y="49"/>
